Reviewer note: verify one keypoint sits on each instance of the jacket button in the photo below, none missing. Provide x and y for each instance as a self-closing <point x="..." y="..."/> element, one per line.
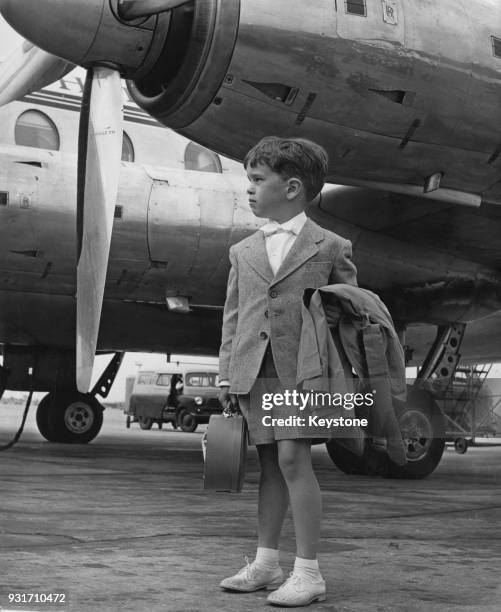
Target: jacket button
<point x="273" y="294"/>
<point x="263" y="335"/>
<point x="266" y="314"/>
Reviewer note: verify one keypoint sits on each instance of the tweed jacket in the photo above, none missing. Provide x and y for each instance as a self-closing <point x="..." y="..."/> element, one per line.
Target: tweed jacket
<point x="262" y="308"/>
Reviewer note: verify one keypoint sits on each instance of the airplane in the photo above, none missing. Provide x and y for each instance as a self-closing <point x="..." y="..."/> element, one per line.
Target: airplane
<point x="403" y="95"/>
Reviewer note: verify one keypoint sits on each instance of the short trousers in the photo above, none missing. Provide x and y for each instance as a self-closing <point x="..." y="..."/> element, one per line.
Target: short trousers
<point x="262" y="424"/>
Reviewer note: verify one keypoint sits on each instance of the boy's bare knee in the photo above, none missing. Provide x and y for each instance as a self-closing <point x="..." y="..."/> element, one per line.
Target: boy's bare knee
<point x="293" y="459"/>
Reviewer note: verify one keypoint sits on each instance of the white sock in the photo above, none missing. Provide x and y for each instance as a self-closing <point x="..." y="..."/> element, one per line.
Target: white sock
<point x="307" y="569"/>
<point x="267" y="558"/>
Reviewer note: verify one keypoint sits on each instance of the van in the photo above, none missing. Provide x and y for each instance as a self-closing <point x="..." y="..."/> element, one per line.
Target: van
<point x="184" y="396"/>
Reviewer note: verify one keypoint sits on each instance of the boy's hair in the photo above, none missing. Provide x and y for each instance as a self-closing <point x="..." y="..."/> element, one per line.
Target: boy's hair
<point x="292" y="157"/>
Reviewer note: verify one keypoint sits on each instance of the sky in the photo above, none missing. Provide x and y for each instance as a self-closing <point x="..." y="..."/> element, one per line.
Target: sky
<point x="9" y="39"/>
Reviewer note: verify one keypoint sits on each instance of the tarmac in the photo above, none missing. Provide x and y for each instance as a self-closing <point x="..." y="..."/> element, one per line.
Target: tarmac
<point x="123" y="524"/>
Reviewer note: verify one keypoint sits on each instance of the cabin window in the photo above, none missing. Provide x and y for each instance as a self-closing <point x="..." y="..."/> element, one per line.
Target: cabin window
<point x="201" y="159"/>
<point x="496" y="46"/>
<point x="35" y="129"/>
<point x="356" y="7"/>
<point x="163" y="380"/>
<point x="201" y="379"/>
<point x="128" y="154"/>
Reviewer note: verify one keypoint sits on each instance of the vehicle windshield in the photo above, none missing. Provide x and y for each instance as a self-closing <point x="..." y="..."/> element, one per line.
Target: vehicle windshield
<point x="201" y="379"/>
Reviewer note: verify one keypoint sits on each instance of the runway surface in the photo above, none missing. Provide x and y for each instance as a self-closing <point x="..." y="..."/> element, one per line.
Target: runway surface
<point x="123" y="524"/>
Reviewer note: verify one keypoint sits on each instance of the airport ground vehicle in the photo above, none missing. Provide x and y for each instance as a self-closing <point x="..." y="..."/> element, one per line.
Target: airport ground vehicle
<point x="183" y="396"/>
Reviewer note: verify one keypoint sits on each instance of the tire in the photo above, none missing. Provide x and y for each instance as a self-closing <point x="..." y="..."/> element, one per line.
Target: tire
<point x="127" y="422"/>
<point x="74" y="418"/>
<point x="186" y="421"/>
<point x="145" y="422"/>
<point x="42" y="418"/>
<point x="423" y="431"/>
<point x="461" y="445"/>
<point x="420" y="415"/>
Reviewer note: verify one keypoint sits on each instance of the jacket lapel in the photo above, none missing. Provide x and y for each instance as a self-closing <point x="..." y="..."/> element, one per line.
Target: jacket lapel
<point x="304" y="248"/>
<point x="257" y="258"/>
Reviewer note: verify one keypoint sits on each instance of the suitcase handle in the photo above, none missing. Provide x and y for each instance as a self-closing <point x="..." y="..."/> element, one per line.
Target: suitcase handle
<point x="231" y="410"/>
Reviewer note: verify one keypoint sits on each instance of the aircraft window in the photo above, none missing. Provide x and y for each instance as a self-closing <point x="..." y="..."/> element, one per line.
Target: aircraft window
<point x="201" y="379"/>
<point x="163" y="380"/>
<point x="356" y="7"/>
<point x="35" y="129"/>
<point x="201" y="159"/>
<point x="496" y="46"/>
<point x="128" y="154"/>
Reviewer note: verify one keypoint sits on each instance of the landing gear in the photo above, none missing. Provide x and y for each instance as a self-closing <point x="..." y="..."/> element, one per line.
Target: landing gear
<point x="422" y="427"/>
<point x="69" y="417"/>
<point x="423" y="431"/>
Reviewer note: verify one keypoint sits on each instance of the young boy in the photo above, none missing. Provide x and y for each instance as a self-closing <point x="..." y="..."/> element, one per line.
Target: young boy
<point x="260" y="339"/>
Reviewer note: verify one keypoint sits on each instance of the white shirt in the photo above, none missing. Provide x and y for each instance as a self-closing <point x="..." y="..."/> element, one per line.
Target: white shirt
<point x="280" y="243"/>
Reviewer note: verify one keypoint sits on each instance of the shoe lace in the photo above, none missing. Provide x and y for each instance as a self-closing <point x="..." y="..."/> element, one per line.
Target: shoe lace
<point x="250" y="569"/>
<point x="294" y="579"/>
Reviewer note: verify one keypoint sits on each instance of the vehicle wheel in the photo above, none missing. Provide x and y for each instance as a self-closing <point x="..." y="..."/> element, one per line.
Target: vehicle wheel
<point x="423" y="431"/>
<point x="74" y="417"/>
<point x="461" y="445"/>
<point x="42" y="418"/>
<point x="145" y="422"/>
<point x="127" y="422"/>
<point x="186" y="421"/>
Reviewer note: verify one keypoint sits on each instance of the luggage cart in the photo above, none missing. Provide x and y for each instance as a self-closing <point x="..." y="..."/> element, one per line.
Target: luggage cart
<point x="467" y="405"/>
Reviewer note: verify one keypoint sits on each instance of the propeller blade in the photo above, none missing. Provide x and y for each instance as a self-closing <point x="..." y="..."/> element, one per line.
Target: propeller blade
<point x="28" y="69"/>
<point x="100" y="148"/>
<point x="133" y="9"/>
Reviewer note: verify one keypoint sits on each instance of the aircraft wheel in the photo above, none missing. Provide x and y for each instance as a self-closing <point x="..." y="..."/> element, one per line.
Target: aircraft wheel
<point x="186" y="421"/>
<point x="145" y="422"/>
<point x="423" y="431"/>
<point x="74" y="418"/>
<point x="461" y="445"/>
<point x="42" y="418"/>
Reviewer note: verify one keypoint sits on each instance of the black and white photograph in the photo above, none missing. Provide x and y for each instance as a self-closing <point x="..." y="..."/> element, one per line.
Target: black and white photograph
<point x="250" y="305"/>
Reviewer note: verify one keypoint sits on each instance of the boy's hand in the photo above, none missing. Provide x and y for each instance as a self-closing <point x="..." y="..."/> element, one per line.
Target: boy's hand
<point x="225" y="396"/>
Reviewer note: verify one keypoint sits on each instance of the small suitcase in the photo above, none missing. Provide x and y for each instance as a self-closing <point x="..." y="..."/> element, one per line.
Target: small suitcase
<point x="225" y="453"/>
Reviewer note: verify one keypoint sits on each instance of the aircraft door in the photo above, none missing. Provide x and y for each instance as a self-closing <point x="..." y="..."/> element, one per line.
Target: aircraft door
<point x="173" y="234"/>
<point x="190" y="225"/>
<point x="20" y="254"/>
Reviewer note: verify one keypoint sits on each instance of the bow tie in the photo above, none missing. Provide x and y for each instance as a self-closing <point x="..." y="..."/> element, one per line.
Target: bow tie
<point x="279" y="230"/>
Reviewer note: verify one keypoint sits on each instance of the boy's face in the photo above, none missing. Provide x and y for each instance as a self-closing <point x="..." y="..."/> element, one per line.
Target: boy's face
<point x="267" y="192"/>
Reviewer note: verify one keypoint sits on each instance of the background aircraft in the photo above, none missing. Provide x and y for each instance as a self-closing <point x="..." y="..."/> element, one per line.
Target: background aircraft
<point x="402" y="94"/>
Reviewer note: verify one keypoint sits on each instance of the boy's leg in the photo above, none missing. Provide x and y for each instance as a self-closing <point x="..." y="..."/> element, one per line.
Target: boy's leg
<point x="306" y="583"/>
<point x="273" y="497"/>
<point x="264" y="571"/>
<point x="294" y="457"/>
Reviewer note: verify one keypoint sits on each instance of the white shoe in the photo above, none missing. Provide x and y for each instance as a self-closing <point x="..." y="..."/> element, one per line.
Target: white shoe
<point x="297" y="591"/>
<point x="252" y="578"/>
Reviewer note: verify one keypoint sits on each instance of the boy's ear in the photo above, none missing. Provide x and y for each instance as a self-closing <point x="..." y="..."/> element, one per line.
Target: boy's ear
<point x="294" y="188"/>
